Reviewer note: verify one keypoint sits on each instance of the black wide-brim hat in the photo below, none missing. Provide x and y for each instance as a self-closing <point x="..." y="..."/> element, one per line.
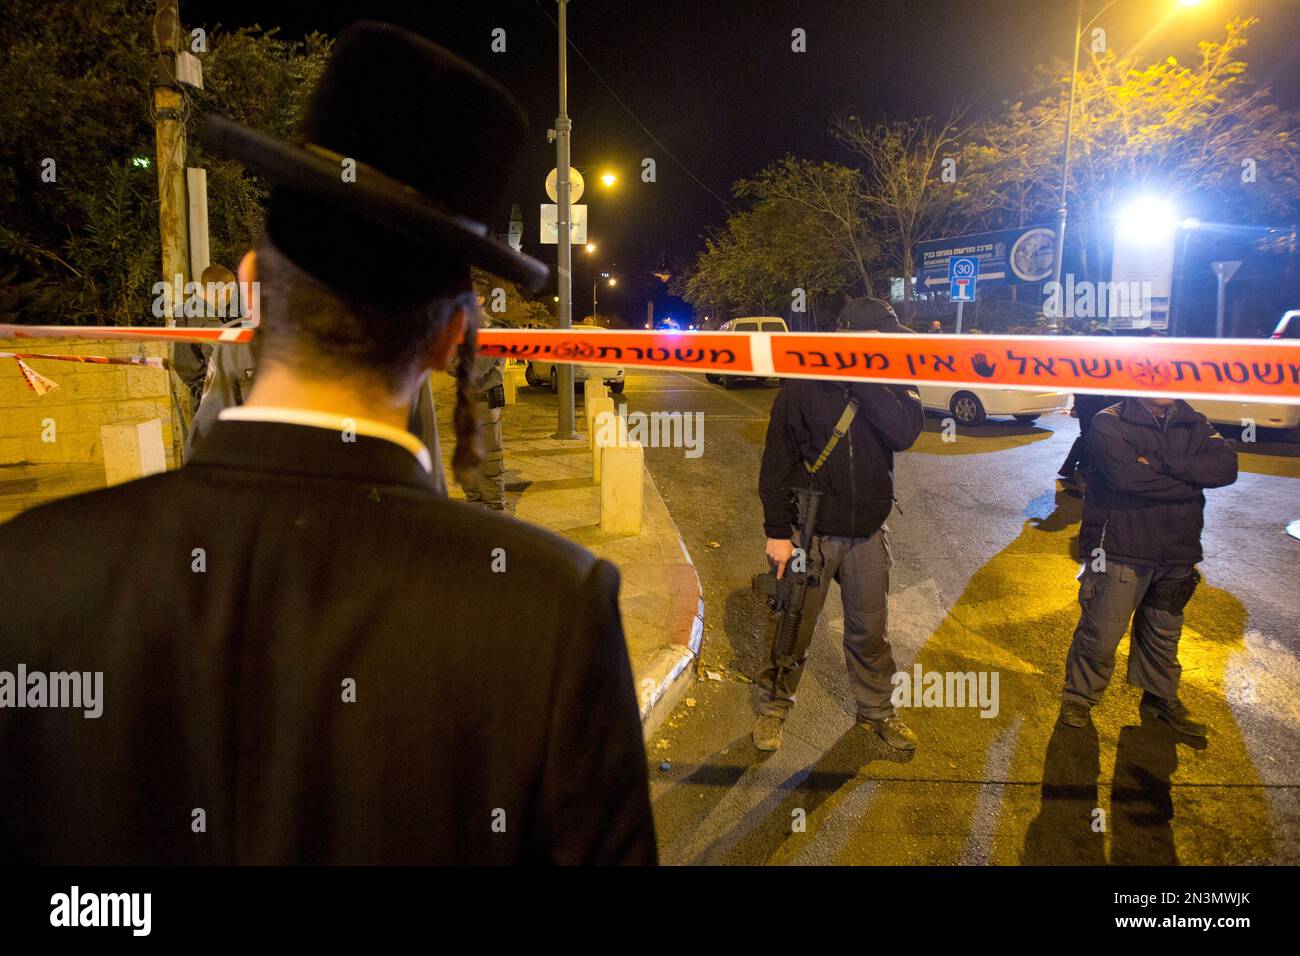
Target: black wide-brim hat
<point x="402" y="157"/>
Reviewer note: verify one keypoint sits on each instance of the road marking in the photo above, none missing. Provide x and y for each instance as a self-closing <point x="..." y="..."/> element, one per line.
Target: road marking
<point x="756" y="409"/>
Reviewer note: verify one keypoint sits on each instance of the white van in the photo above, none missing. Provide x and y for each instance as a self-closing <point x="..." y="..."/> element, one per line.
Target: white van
<point x="751" y="323"/>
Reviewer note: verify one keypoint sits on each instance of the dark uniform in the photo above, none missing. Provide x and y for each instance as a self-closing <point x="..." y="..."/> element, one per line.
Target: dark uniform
<point x="1143" y="515"/>
<point x="489" y="485"/>
<point x="852" y="541"/>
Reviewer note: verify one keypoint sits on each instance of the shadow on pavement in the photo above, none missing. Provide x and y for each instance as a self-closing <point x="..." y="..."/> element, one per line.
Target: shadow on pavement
<point x="993" y="435"/>
<point x="743" y="618"/>
<point x="764" y="830"/>
<point x="1010" y="786"/>
<point x="1063" y="832"/>
<point x="696" y="795"/>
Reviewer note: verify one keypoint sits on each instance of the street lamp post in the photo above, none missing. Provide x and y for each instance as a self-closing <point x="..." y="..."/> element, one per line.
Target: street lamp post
<point x="594" y="285"/>
<point x="1079" y="28"/>
<point x="564" y="374"/>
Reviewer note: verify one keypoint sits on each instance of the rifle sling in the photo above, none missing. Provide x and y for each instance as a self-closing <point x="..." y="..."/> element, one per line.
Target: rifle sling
<point x="841" y="429"/>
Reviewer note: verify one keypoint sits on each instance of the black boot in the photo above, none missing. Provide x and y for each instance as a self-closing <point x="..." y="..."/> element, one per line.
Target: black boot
<point x="1172" y="712"/>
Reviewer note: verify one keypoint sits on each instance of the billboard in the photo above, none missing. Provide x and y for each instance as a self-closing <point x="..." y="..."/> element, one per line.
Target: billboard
<point x="1006" y="257"/>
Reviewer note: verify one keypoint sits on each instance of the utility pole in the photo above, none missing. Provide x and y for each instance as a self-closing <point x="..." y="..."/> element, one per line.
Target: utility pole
<point x="169" y="133"/>
<point x="564" y="374"/>
<point x="169" y="129"/>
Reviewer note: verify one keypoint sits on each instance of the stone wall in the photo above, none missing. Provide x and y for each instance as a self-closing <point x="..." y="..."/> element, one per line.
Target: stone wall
<point x="88" y="396"/>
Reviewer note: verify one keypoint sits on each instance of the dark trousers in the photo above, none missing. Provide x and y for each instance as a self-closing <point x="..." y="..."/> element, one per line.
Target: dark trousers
<point x="1109" y="600"/>
<point x="489" y="485"/>
<point x="861" y="567"/>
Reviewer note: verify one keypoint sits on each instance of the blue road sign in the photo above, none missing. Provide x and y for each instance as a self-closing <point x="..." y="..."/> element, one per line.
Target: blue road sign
<point x="963" y="274"/>
<point x="1007" y="256"/>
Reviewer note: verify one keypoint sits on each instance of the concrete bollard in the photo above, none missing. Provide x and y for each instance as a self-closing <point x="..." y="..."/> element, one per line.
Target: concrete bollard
<point x="512" y="377"/>
<point x="608" y="430"/>
<point x="594" y="408"/>
<point x="592" y="389"/>
<point x="133" y="450"/>
<point x="622" y="488"/>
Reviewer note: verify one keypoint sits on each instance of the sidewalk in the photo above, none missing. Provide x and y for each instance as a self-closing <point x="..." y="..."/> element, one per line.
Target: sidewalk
<point x="549" y="483"/>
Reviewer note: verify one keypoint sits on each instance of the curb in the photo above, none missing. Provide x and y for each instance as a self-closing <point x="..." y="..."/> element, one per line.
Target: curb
<point x="672" y="670"/>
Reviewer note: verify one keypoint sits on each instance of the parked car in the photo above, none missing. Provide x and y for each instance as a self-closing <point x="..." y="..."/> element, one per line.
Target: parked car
<point x="752" y="323"/>
<point x="971" y="406"/>
<point x="541" y="372"/>
<point x="1263" y="414"/>
<point x="1272" y="415"/>
<point x="1289" y="327"/>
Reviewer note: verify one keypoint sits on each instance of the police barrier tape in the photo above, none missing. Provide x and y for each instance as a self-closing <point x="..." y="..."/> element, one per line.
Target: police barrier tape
<point x="148" y="361"/>
<point x="1240" y="369"/>
<point x="41" y="385"/>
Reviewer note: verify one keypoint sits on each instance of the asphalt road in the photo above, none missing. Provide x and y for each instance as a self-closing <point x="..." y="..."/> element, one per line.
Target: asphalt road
<point x="984" y="581"/>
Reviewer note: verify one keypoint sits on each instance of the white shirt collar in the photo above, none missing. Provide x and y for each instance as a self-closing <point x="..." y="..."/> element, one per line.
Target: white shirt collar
<point x="313" y="419"/>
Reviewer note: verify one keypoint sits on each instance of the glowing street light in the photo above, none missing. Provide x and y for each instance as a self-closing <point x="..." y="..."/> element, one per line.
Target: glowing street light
<point x="608" y="179"/>
<point x="591" y="247"/>
<point x="1148" y="220"/>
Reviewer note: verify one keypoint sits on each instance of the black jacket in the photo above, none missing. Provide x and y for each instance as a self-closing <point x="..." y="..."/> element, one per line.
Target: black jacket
<point x="1152" y="513"/>
<point x="858" y="477"/>
<point x="482" y="696"/>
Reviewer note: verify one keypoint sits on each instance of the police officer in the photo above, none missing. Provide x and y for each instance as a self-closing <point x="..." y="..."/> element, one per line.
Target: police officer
<point x="489" y="488"/>
<point x="851" y="541"/>
<point x="190" y="359"/>
<point x="1143" y="511"/>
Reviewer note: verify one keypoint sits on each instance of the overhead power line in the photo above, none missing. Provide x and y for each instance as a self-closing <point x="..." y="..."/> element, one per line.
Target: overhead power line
<point x="627" y="109"/>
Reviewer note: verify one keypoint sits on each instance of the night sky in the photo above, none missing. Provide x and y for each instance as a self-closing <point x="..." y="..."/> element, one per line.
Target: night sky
<point x="716" y="83"/>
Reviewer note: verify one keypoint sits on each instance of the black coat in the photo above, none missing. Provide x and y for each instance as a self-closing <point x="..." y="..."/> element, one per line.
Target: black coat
<point x="858" y="477"/>
<point x="482" y="697"/>
<point x="1148" y="514"/>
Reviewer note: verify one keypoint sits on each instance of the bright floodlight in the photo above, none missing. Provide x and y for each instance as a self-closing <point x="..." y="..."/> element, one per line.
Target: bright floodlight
<point x="1147" y="219"/>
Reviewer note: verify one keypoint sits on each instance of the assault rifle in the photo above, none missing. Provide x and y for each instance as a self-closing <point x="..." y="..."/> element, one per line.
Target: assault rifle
<point x="785" y="595"/>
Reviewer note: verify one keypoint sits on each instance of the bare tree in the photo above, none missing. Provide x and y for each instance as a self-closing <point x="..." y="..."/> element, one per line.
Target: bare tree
<point x="902" y="190"/>
<point x="829" y="199"/>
